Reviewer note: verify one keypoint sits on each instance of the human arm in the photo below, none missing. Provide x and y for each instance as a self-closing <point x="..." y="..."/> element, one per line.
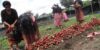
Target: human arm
<point x="33" y="18"/>
<point x="15" y="17"/>
<point x="3" y="18"/>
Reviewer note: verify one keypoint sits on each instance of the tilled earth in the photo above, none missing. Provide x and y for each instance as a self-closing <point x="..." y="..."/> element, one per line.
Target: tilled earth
<point x="80" y="42"/>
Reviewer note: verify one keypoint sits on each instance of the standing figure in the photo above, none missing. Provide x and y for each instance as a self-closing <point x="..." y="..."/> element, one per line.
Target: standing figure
<point x="78" y="12"/>
<point x="65" y="16"/>
<point x="57" y="14"/>
<point x="9" y="18"/>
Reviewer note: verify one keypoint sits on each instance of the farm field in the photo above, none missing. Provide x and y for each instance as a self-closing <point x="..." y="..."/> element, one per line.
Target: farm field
<point x="79" y="42"/>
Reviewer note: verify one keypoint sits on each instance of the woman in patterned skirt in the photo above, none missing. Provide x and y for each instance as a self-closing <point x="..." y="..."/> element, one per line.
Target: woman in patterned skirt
<point x="78" y="12"/>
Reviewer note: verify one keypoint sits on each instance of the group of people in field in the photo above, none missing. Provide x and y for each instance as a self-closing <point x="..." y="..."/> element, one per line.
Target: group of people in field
<point x="60" y="14"/>
<point x="19" y="28"/>
<point x="25" y="26"/>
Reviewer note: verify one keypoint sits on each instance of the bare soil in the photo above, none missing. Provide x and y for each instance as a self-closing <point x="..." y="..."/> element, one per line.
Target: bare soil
<point x="80" y="42"/>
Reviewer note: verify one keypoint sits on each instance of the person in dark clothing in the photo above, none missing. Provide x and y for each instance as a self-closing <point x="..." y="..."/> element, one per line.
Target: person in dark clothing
<point x="9" y="15"/>
<point x="9" y="18"/>
<point x="29" y="28"/>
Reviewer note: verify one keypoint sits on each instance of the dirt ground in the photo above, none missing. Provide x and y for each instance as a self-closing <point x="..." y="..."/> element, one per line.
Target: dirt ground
<point x="80" y="42"/>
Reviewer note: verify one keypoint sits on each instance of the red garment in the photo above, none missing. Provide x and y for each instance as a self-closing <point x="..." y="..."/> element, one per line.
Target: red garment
<point x="65" y="16"/>
<point x="58" y="19"/>
<point x="79" y="13"/>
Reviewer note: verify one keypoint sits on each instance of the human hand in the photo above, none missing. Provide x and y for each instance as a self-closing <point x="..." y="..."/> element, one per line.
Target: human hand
<point x="12" y="26"/>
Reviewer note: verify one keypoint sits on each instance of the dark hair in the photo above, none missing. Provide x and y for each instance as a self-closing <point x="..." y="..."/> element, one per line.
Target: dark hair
<point x="6" y="3"/>
<point x="79" y="2"/>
